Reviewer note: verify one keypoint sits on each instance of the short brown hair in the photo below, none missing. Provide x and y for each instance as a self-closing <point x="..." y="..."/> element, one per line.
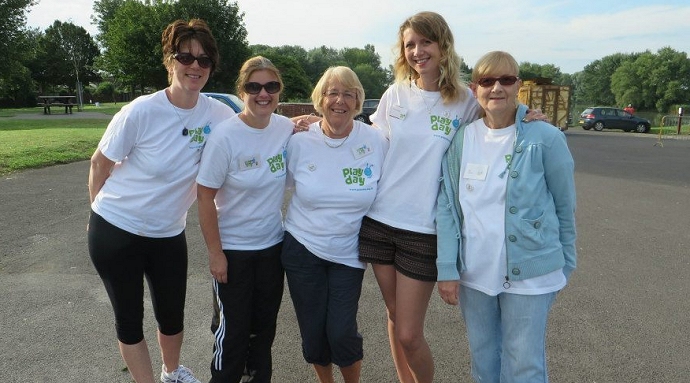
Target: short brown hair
<point x="180" y="32"/>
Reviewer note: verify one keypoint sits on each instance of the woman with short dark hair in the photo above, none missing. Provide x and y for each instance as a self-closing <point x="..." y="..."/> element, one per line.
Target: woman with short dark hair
<point x="141" y="184"/>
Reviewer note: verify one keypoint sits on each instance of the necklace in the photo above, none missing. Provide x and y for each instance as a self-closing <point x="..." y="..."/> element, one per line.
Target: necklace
<point x="326" y="138"/>
<point x="428" y="108"/>
<point x="185" y="131"/>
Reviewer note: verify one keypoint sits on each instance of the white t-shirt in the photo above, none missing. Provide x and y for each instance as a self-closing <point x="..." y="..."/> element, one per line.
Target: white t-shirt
<point x="334" y="188"/>
<point x="152" y="184"/>
<point x="247" y="165"/>
<point x="420" y="128"/>
<point x="485" y="159"/>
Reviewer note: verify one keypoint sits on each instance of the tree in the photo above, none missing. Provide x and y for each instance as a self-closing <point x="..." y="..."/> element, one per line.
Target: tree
<point x="105" y="91"/>
<point x="16" y="48"/>
<point x="594" y="84"/>
<point x="132" y="51"/>
<point x="131" y="37"/>
<point x="374" y="80"/>
<point x="287" y="60"/>
<point x="69" y="52"/>
<point x="319" y="59"/>
<point x="531" y="70"/>
<point x="653" y="81"/>
<point x="12" y="30"/>
<point x="367" y="64"/>
<point x="103" y="13"/>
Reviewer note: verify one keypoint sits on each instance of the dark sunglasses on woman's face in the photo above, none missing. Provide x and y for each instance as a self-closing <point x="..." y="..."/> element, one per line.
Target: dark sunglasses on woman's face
<point x="486" y="82"/>
<point x="188" y="59"/>
<point x="255" y="88"/>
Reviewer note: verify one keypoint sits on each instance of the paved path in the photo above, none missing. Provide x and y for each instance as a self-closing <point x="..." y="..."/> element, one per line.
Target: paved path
<point x="624" y="317"/>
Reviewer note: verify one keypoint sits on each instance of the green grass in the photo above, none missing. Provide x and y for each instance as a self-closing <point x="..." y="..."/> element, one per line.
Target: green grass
<point x="107" y="108"/>
<point x="33" y="143"/>
<point x="671" y="130"/>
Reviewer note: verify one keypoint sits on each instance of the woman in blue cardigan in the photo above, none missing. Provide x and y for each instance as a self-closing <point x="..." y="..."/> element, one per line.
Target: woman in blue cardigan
<point x="506" y="227"/>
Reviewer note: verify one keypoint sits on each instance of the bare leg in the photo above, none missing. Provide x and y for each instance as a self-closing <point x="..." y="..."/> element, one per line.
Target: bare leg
<point x="412" y="301"/>
<point x="138" y="361"/>
<point x="324" y="373"/>
<point x="352" y="372"/>
<point x="398" y="354"/>
<point x="170" y="350"/>
<point x="386" y="277"/>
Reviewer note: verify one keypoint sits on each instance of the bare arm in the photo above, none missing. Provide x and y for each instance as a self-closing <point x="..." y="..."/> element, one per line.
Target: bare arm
<point x="101" y="166"/>
<point x="208" y="219"/>
<point x="302" y="122"/>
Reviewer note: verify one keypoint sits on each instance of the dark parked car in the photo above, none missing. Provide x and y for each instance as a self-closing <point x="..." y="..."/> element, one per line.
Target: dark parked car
<point x="368" y="108"/>
<point x="601" y="117"/>
<point x="228" y="99"/>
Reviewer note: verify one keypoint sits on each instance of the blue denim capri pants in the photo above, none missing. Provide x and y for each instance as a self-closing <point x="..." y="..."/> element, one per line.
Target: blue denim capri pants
<point x="326" y="299"/>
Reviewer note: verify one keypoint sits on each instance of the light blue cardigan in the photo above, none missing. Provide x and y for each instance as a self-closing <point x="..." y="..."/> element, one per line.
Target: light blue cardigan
<point x="540" y="205"/>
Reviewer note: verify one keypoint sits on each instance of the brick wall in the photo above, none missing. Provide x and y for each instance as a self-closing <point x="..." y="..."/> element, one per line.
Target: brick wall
<point x="295" y="109"/>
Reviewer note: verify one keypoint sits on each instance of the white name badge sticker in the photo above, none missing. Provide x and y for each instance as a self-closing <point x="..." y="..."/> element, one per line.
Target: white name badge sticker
<point x="476" y="172"/>
<point x="250" y="162"/>
<point x="398" y="112"/>
<point x="362" y="150"/>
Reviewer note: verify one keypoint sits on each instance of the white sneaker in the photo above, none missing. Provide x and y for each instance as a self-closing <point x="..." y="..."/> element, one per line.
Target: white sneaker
<point x="181" y="375"/>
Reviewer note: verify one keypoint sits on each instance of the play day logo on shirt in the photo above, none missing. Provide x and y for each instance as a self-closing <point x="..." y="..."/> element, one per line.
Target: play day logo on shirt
<point x="276" y="163"/>
<point x="197" y="136"/>
<point x="444" y="124"/>
<point x="357" y="176"/>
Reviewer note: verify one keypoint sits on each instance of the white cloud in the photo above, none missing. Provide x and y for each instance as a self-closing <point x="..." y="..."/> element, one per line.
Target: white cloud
<point x="568" y="34"/>
<point x="78" y="12"/>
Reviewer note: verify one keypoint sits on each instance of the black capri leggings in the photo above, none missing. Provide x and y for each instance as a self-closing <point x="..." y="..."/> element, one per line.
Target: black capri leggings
<point x="123" y="259"/>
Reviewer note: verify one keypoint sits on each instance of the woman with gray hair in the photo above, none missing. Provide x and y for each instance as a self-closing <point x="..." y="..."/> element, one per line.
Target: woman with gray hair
<point x="334" y="170"/>
<point x="506" y="227"/>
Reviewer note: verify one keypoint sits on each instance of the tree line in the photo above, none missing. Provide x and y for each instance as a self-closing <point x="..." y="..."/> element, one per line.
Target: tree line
<point x="124" y="59"/>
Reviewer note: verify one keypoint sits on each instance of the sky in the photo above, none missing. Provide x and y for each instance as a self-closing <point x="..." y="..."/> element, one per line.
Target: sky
<point x="567" y="34"/>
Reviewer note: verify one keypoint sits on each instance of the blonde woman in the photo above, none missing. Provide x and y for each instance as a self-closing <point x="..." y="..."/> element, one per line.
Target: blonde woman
<point x="506" y="227"/>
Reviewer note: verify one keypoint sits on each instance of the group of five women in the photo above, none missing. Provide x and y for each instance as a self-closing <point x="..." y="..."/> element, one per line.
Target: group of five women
<point x="491" y="219"/>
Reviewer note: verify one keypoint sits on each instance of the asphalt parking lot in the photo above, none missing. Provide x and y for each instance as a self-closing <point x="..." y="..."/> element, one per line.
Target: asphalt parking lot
<point x="623" y="318"/>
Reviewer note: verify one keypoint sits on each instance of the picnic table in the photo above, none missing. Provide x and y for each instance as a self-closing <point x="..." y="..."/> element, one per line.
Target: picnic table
<point x="57" y="101"/>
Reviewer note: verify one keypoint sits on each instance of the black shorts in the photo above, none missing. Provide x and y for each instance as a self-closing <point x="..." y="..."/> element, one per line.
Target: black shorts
<point x="413" y="254"/>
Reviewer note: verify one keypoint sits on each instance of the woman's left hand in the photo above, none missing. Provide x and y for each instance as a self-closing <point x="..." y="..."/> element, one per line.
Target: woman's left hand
<point x="535" y="115"/>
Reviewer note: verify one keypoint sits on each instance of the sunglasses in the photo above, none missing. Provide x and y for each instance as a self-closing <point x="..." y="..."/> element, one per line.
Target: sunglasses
<point x="188" y="59"/>
<point x="255" y="87"/>
<point x="486" y="82"/>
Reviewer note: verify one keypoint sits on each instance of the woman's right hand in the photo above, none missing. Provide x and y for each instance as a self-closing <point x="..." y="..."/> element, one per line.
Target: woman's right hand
<point x="218" y="266"/>
<point x="449" y="291"/>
